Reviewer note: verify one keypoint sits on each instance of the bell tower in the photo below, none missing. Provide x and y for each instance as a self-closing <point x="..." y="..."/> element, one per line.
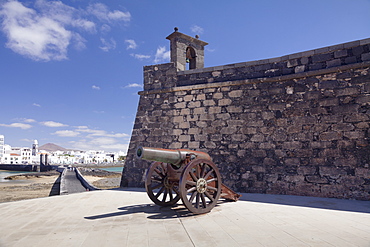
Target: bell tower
<point x="186" y="49"/>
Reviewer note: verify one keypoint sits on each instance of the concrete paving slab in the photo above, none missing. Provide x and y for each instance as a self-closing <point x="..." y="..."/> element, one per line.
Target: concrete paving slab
<point x="129" y="218"/>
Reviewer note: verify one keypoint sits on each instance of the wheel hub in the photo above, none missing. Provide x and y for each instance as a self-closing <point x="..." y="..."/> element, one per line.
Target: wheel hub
<point x="167" y="183"/>
<point x="201" y="185"/>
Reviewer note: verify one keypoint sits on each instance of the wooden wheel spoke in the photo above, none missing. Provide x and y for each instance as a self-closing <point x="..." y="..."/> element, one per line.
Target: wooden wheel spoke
<point x="192" y="196"/>
<point x="160" y="192"/>
<point x="176" y="190"/>
<point x="209" y="196"/>
<point x="203" y="200"/>
<point x="208" y="174"/>
<point x="197" y="200"/>
<point x="191" y="189"/>
<point x="159" y="172"/>
<point x="165" y="195"/>
<point x="193" y="176"/>
<point x="170" y="194"/>
<point x="160" y="180"/>
<point x="156" y="186"/>
<point x="203" y="171"/>
<point x="164" y="168"/>
<point x="191" y="183"/>
<point x="197" y="170"/>
<point x="211" y="180"/>
<point x="212" y="188"/>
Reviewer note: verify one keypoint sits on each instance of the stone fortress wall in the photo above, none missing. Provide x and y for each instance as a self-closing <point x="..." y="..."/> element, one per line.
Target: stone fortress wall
<point x="297" y="124"/>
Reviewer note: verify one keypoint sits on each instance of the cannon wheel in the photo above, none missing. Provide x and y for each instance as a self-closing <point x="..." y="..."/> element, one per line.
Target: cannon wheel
<point x="159" y="189"/>
<point x="200" y="186"/>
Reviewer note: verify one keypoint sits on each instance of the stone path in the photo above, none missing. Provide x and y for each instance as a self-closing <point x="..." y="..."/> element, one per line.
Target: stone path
<point x="129" y="218"/>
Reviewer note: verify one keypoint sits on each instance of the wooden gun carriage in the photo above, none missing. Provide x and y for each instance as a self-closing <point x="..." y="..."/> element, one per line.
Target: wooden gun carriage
<point x="184" y="174"/>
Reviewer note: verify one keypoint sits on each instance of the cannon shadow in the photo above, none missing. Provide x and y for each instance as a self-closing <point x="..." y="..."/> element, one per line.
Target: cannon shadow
<point x="152" y="210"/>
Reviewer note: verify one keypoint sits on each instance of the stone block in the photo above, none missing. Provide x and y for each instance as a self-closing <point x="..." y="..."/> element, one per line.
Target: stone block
<point x="234" y="109"/>
<point x="346" y="91"/>
<point x="201" y="97"/>
<point x="358" y="50"/>
<point x="322" y="57"/>
<point x="365" y="57"/>
<point x="193" y="145"/>
<point x="350" y="60"/>
<point x="209" y="102"/>
<point x="305" y="60"/>
<point x="209" y="144"/>
<point x="345" y="108"/>
<point x="218" y="95"/>
<point x="340" y="53"/>
<point x="224" y="102"/>
<point x="199" y="110"/>
<point x="267" y="145"/>
<point x="354" y="134"/>
<point x="333" y="63"/>
<point x="259" y="153"/>
<point x="292" y="145"/>
<point x="330" y="136"/>
<point x="328" y="84"/>
<point x="257" y="138"/>
<point x="292" y="161"/>
<point x="193" y="104"/>
<point x="363" y="100"/>
<point x="238" y="137"/>
<point x="223" y="116"/>
<point x="228" y="130"/>
<point x="235" y="93"/>
<point x="277" y="106"/>
<point x="299" y="69"/>
<point x="292" y="63"/>
<point x="207" y="117"/>
<point x="356" y="117"/>
<point x="316" y="179"/>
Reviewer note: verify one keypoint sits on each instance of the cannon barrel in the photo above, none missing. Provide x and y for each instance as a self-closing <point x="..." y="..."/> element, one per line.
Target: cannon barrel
<point x="172" y="156"/>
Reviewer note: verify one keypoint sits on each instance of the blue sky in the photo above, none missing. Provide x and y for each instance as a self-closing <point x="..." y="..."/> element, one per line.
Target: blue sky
<point x="70" y="70"/>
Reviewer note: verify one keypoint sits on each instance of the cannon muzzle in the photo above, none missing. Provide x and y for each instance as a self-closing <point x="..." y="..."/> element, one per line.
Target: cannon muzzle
<point x="172" y="156"/>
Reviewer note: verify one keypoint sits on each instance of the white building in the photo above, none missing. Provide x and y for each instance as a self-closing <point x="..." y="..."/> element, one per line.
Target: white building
<point x="15" y="155"/>
<point x="1" y="148"/>
<point x="25" y="155"/>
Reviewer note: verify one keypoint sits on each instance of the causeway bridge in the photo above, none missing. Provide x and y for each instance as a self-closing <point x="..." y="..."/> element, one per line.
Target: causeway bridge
<point x="72" y="181"/>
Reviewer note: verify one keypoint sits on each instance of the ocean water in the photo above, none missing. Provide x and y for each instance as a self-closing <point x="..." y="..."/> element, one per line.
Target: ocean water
<point x="4" y="174"/>
<point x="113" y="169"/>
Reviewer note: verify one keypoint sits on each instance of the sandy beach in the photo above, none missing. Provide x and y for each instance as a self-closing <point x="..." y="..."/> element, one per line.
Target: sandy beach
<point x="36" y="186"/>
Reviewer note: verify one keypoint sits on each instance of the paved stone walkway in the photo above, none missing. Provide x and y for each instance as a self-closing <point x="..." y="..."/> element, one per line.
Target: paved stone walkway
<point x="72" y="183"/>
<point x="129" y="218"/>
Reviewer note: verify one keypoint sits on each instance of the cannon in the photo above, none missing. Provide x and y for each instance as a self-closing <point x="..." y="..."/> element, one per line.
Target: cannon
<point x="184" y="174"/>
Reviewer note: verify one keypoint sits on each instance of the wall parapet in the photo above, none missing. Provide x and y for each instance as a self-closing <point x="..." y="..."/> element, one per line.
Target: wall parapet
<point x="323" y="58"/>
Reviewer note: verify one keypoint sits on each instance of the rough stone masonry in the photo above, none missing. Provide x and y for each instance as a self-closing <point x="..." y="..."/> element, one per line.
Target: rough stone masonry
<point x="297" y="124"/>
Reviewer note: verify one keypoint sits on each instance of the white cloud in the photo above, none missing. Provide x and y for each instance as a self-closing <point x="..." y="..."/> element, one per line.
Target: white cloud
<point x="34" y="104"/>
<point x="52" y="124"/>
<point x="29" y="120"/>
<point x="131" y="44"/>
<point x="66" y="133"/>
<point x="140" y="56"/>
<point x="95" y="87"/>
<point x="162" y="55"/>
<point x="133" y="85"/>
<point x="45" y="30"/>
<point x="35" y="36"/>
<point x="17" y="125"/>
<point x="101" y="11"/>
<point x="197" y="29"/>
<point x="108" y="44"/>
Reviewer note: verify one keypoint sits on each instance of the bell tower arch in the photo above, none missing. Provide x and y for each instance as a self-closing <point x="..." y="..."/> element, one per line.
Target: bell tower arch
<point x="185" y="49"/>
